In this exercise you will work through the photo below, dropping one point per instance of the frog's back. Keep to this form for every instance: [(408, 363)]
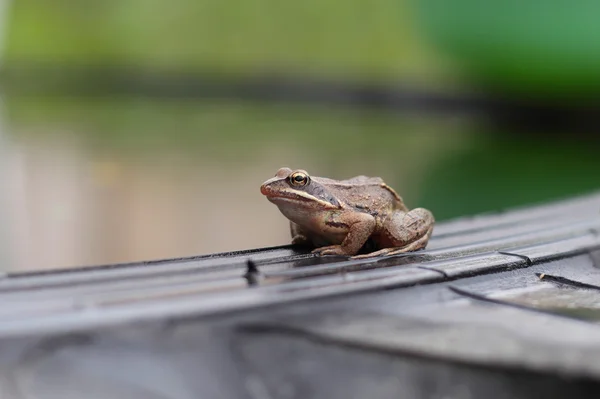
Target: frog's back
[(352, 182), (363, 192), (363, 180)]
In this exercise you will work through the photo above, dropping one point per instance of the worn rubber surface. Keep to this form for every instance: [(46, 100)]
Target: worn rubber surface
[(502, 305)]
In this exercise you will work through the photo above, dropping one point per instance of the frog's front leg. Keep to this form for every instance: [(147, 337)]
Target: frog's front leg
[(406, 231), (299, 236), (360, 226)]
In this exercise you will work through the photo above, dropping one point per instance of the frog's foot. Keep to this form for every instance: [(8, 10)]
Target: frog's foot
[(413, 246), (331, 250), (381, 252)]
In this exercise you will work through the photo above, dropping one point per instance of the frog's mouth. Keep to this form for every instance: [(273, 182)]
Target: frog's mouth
[(279, 197), (291, 201), (287, 196)]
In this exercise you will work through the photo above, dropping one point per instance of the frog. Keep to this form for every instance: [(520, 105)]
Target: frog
[(338, 217)]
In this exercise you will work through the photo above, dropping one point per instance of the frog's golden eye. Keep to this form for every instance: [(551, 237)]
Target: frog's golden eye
[(299, 179)]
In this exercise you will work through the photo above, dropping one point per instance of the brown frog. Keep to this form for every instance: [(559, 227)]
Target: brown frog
[(340, 216)]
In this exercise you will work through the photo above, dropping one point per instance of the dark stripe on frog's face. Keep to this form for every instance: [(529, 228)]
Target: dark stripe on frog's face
[(319, 192)]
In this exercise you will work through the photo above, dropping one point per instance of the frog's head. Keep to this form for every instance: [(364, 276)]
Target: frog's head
[(296, 189)]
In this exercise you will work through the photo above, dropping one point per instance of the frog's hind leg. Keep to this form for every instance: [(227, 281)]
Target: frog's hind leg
[(409, 230), (406, 231)]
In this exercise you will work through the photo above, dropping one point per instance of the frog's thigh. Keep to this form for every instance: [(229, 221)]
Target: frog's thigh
[(403, 228)]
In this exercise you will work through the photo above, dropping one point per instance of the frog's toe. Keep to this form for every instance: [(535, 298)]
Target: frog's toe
[(418, 245), (330, 250), (382, 252)]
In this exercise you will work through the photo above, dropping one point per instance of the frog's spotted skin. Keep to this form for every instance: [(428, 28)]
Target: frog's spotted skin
[(339, 216)]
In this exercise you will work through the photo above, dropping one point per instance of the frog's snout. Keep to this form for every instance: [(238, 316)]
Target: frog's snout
[(264, 190), (267, 188)]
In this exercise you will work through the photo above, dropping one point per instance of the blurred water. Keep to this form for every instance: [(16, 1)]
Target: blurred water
[(93, 181)]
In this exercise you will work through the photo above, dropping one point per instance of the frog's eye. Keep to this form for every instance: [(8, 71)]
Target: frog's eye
[(299, 179)]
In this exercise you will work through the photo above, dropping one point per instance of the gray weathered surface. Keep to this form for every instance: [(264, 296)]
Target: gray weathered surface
[(468, 317)]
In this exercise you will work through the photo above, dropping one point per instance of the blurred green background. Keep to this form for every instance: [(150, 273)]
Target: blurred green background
[(111, 175)]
